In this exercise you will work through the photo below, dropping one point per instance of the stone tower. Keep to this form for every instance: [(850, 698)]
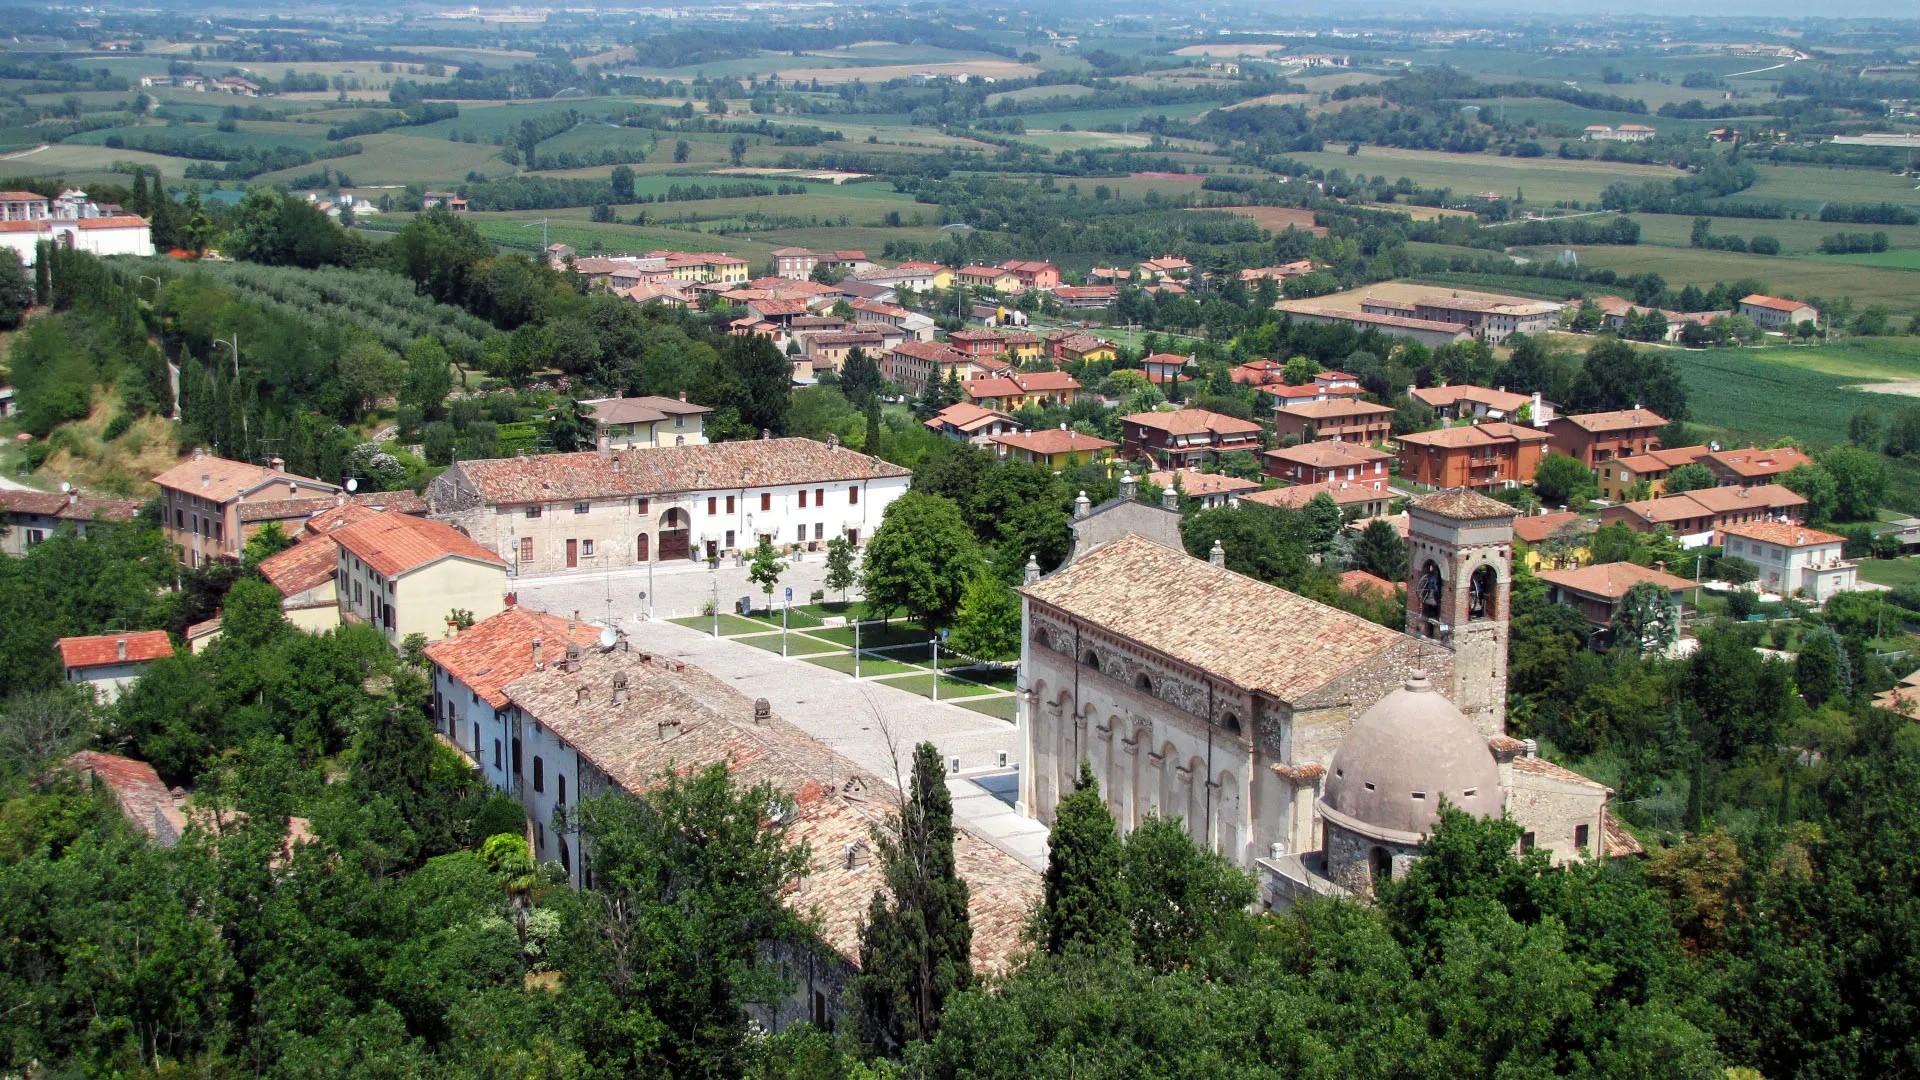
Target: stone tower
[(1459, 577)]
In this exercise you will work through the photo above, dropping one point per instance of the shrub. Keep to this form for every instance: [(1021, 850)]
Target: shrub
[(117, 427)]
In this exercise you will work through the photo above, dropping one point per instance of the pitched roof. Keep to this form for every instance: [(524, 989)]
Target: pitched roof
[(1200, 483), (965, 416), (310, 563), (495, 651), (1355, 581), (1533, 528), (1782, 534), (544, 478), (1398, 322), (1774, 302), (1463, 435), (1756, 463), (1053, 441), (395, 544), (1010, 383), (1334, 408), (71, 506), (94, 650), (641, 410), (679, 717), (1663, 460), (1327, 454), (136, 787), (1439, 397), (1619, 420), (219, 479), (1204, 615), (399, 502), (1295, 496), (1610, 581), (1087, 292), (938, 352), (1462, 504), (1192, 422)]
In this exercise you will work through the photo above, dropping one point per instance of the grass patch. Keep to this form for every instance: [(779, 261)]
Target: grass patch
[(876, 635), (730, 625), (842, 662), (1001, 707), (1784, 275), (1908, 259), (922, 684), (1892, 573), (798, 618), (797, 645)]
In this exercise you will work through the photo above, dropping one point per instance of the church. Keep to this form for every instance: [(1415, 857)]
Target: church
[(1303, 742)]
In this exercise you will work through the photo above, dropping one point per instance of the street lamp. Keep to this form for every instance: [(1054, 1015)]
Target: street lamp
[(713, 575), (234, 344)]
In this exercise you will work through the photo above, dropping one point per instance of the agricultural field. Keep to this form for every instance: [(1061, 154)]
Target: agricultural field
[(1803, 277), (1908, 259), (1796, 235), (1542, 179), (1811, 187)]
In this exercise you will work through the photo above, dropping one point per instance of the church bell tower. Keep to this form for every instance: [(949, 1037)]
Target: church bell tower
[(1459, 580)]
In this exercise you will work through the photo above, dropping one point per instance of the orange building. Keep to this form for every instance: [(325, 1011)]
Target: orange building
[(1346, 419), (1592, 438), (1472, 455)]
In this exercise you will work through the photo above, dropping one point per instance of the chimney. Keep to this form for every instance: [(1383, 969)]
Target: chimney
[(765, 434), (340, 497), (1169, 498), (620, 688), (1533, 748), (669, 730), (762, 711), (206, 479), (120, 648), (683, 395), (580, 695), (1539, 421), (453, 629), (1129, 487), (279, 464), (538, 664), (602, 443), (1218, 556), (833, 441), (1082, 506), (572, 662), (198, 453), (1032, 572)]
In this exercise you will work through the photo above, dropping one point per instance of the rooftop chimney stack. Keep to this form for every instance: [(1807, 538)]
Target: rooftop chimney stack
[(762, 711), (603, 443), (1129, 487), (120, 648), (1218, 556), (1032, 572), (620, 691), (279, 464), (1169, 498), (538, 663)]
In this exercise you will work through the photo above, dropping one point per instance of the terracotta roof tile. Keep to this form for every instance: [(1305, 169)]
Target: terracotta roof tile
[(1204, 615), (1439, 397), (1355, 581), (308, 564), (1463, 505), (546, 478), (1198, 483), (1192, 422), (1664, 460), (1466, 435), (68, 507), (95, 650), (681, 718), (1053, 441), (1774, 302), (1533, 528), (1752, 464), (220, 479), (1339, 408), (1610, 581), (1328, 453), (1782, 534), (395, 544), (1620, 420), (497, 650), (142, 796), (1344, 492)]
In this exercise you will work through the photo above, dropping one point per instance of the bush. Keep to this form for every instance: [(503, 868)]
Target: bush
[(497, 813), (117, 427)]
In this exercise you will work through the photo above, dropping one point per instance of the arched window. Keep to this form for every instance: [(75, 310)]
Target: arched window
[(1430, 586), (1380, 862), (1483, 594), (1143, 683), (1091, 659), (1231, 723)]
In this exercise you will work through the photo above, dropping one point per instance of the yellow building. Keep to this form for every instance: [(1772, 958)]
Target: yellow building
[(1621, 473), (1012, 391), (648, 421), (703, 267), (407, 575), (1563, 552), (1057, 448)]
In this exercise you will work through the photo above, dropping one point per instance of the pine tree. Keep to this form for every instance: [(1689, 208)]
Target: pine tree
[(1083, 904), (915, 948)]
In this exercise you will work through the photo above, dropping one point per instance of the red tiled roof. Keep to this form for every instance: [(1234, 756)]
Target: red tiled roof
[(1465, 435), (1344, 492), (1537, 527), (1610, 581), (1053, 441), (135, 786), (1330, 453), (95, 650), (1334, 409), (1192, 422), (1774, 302), (394, 544), (1087, 292), (1019, 382), (117, 221), (1355, 581), (753, 463), (1198, 483), (1757, 463), (1439, 397), (1620, 420), (495, 651), (312, 562), (1782, 534), (68, 507)]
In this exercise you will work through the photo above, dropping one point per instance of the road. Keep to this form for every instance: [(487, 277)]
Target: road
[(681, 587)]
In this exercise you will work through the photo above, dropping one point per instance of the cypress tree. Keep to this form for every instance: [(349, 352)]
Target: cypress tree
[(1084, 903), (915, 949)]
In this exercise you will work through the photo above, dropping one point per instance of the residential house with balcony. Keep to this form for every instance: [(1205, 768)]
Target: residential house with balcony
[(1347, 419), (1490, 455), (1463, 401), (30, 517), (1696, 516), (1033, 274), (988, 277), (1325, 462), (1598, 591), (409, 575), (1059, 449), (1793, 559), (648, 421), (966, 422), (913, 363), (1595, 438), (1011, 391), (1620, 474), (1186, 438), (1752, 467), (1162, 368), (1012, 346), (1359, 500), (1211, 490), (915, 326)]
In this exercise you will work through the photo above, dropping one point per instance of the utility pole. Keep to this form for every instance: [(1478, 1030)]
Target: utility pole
[(544, 245)]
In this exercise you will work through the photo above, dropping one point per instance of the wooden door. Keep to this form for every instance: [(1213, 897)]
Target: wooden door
[(573, 554), (640, 548)]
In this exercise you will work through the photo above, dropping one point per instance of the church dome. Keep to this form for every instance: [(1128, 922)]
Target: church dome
[(1402, 756)]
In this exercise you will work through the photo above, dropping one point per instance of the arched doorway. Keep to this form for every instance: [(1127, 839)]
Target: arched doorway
[(676, 532), (642, 548), (1430, 587)]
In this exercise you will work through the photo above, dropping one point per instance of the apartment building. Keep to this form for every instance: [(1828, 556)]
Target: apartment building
[(1595, 438), (1490, 455), (1347, 419)]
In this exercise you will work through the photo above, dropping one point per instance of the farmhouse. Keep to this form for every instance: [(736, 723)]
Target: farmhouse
[(1773, 313)]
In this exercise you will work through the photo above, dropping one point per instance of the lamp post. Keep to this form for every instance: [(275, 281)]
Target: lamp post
[(784, 612), (234, 344), (713, 574), (856, 647), (543, 234)]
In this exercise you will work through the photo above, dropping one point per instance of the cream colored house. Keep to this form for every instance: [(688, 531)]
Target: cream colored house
[(1793, 559), (648, 421), (408, 575)]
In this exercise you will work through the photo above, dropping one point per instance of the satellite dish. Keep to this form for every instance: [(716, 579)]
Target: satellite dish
[(353, 484), (608, 638), (1714, 446), (65, 487)]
